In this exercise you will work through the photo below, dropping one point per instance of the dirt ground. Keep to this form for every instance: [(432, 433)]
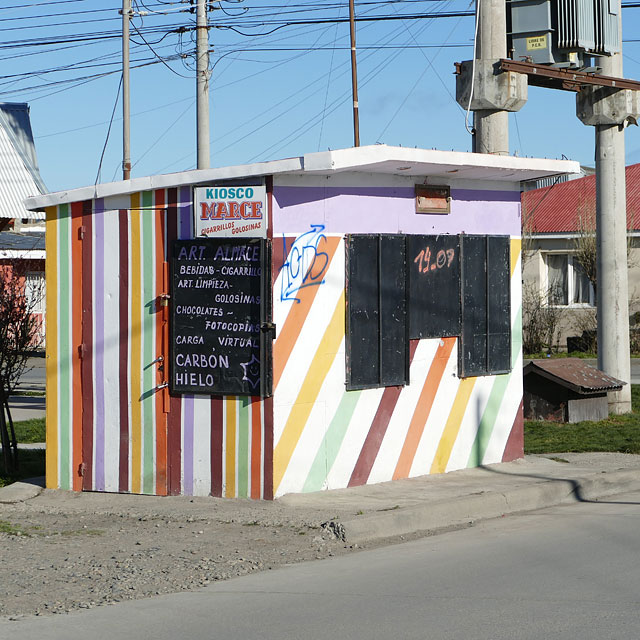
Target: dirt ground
[(63, 551)]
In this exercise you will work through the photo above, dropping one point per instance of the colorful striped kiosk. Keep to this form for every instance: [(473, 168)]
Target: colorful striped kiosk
[(342, 318)]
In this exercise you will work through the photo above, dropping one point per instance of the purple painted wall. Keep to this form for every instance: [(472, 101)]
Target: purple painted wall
[(392, 210)]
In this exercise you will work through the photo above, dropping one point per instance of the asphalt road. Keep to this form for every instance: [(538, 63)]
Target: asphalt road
[(34, 381), (563, 573)]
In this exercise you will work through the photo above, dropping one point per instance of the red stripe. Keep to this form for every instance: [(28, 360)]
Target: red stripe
[(269, 190), (174, 418), (373, 441), (217, 428), (256, 447), (278, 247), (123, 346), (514, 448), (267, 493), (87, 340)]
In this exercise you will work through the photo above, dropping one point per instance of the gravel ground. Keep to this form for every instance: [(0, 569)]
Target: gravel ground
[(68, 551)]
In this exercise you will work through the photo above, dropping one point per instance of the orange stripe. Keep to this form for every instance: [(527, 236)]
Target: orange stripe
[(161, 416), (423, 408), (76, 331), (256, 447), (288, 335)]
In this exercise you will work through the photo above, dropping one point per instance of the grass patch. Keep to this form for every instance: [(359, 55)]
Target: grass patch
[(33, 430), (32, 463), (586, 355), (618, 434), (9, 529)]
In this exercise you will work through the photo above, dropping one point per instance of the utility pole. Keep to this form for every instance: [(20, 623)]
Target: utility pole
[(354, 75), (202, 85), (609, 110), (481, 88), (491, 127), (126, 107)]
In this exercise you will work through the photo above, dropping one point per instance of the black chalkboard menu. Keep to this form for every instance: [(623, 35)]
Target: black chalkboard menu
[(220, 308)]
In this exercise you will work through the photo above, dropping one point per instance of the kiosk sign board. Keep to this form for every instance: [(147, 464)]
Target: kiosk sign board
[(230, 211), (220, 337)]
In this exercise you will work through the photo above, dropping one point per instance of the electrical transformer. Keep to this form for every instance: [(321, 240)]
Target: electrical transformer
[(562, 32)]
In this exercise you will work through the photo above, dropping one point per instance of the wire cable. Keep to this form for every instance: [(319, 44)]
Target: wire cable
[(113, 113), (473, 69)]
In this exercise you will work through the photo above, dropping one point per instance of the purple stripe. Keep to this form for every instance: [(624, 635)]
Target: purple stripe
[(99, 345), (187, 446), (477, 195), (186, 217), (392, 210)]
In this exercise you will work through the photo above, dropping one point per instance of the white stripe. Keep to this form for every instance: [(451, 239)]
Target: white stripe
[(202, 446), (111, 352)]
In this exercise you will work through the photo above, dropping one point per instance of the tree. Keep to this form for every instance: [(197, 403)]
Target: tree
[(20, 337), (540, 320)]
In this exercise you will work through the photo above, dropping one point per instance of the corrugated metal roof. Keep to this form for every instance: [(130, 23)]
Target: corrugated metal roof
[(575, 374), (32, 241), (569, 206), (19, 174)]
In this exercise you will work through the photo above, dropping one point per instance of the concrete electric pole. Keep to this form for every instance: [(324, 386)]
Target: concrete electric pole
[(126, 109), (609, 110), (202, 85), (482, 88), (491, 126)]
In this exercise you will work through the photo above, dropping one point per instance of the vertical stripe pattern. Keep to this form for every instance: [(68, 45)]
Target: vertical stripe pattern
[(110, 428)]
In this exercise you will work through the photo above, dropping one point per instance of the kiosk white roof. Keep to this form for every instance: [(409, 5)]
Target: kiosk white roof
[(377, 159)]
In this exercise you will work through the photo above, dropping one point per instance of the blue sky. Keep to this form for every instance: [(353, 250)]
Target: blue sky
[(278, 89)]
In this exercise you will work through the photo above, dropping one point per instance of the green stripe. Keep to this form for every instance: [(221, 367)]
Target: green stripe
[(243, 447), (331, 443), (65, 353), (488, 421), (148, 351)]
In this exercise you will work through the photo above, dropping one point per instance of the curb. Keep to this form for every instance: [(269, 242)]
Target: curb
[(488, 505), (21, 491)]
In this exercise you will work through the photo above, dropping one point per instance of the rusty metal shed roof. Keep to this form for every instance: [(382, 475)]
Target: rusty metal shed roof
[(575, 374)]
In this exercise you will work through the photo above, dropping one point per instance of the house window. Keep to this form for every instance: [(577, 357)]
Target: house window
[(34, 291), (567, 282)]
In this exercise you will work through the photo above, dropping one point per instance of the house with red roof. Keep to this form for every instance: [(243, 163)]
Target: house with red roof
[(557, 220)]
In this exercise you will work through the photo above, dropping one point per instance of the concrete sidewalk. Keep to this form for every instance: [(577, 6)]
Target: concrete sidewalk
[(374, 512)]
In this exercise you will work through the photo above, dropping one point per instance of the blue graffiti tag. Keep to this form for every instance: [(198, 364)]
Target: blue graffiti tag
[(305, 265)]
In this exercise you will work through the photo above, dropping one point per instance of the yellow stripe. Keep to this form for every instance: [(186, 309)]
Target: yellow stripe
[(230, 446), (516, 246), (136, 345), (454, 422), (322, 361), (51, 327), (452, 428)]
